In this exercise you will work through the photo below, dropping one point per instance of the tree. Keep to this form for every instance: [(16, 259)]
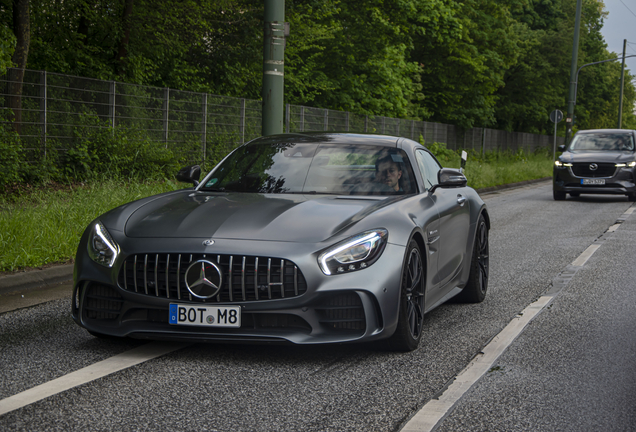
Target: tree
[(22, 32)]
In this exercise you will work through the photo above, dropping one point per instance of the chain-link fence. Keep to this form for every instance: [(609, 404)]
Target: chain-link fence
[(50, 110)]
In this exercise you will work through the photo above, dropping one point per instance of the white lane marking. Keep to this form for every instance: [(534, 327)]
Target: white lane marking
[(587, 253), (90, 373), (629, 210), (435, 410)]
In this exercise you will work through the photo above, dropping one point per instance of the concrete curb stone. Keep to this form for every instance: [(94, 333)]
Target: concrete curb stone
[(39, 279)]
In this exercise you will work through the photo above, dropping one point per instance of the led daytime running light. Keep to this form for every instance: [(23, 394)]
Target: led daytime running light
[(323, 259), (105, 238)]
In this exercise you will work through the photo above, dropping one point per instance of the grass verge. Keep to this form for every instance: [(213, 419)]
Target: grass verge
[(44, 225)]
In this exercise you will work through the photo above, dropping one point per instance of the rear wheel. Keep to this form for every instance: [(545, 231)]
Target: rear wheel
[(475, 289), (558, 195), (409, 329)]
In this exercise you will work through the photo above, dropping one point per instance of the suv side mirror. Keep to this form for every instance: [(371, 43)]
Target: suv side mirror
[(448, 178), (561, 148), (189, 174)]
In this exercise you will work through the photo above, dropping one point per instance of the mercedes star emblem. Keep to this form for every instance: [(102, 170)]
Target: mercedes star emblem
[(593, 167), (203, 279)]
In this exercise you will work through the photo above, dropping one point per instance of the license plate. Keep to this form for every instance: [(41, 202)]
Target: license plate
[(589, 181), (205, 316)]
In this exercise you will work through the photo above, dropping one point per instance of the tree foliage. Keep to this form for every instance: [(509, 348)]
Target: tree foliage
[(494, 63)]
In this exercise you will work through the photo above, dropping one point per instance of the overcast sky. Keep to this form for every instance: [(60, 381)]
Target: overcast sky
[(619, 25)]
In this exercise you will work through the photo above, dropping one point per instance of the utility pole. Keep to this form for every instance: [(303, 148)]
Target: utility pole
[(620, 98), (274, 34), (573, 73)]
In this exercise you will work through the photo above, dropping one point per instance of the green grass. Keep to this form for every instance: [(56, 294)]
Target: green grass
[(44, 226)]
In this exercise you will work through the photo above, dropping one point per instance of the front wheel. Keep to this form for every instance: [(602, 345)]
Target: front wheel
[(475, 289), (558, 195), (409, 329), (631, 196)]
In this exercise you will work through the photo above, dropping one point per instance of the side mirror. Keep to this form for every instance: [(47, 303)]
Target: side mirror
[(448, 178), (561, 148), (190, 174)]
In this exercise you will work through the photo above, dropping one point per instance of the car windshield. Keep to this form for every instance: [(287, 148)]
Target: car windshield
[(603, 142), (314, 168)]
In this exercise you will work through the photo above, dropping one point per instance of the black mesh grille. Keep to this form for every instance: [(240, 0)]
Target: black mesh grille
[(245, 278), (102, 302), (343, 311), (602, 170)]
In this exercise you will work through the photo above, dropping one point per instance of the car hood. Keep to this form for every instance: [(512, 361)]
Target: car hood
[(597, 156), (293, 218)]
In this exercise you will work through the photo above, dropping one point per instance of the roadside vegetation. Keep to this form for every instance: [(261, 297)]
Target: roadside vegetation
[(41, 225)]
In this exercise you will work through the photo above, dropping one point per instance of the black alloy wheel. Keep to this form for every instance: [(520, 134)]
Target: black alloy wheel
[(409, 329), (477, 286)]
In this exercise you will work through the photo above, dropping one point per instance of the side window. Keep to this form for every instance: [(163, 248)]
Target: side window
[(428, 167)]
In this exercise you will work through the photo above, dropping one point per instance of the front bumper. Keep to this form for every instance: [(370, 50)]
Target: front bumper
[(621, 182), (358, 306)]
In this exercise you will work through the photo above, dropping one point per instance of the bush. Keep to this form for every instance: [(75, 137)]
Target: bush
[(10, 156), (120, 153)]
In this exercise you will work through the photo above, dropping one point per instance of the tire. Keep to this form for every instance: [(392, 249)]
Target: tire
[(558, 195), (631, 196), (408, 333), (477, 286), (575, 194)]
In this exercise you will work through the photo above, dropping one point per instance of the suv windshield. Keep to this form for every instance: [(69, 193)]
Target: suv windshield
[(339, 169), (603, 142)]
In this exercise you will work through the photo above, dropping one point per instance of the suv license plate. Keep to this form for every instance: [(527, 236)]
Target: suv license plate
[(589, 181), (205, 316)]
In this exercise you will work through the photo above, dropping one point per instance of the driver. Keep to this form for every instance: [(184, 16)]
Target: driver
[(388, 172)]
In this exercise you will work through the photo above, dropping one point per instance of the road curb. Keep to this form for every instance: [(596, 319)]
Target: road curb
[(35, 279), (38, 279), (511, 185)]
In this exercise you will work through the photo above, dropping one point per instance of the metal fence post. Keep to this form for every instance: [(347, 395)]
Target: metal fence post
[(204, 133), (483, 141), (242, 120), (302, 119), (347, 119), (43, 92), (166, 108), (412, 129), (287, 118), (366, 123), (326, 120), (111, 105)]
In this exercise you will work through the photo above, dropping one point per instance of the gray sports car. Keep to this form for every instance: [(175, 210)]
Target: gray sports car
[(303, 238)]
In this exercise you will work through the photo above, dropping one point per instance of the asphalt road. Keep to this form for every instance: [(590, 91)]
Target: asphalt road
[(572, 368)]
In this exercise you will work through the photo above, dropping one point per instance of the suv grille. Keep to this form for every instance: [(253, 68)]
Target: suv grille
[(245, 278), (603, 170)]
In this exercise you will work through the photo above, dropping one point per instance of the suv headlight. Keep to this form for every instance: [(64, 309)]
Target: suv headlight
[(560, 164), (355, 253), (101, 247)]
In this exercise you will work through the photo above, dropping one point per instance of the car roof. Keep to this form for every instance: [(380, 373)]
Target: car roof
[(591, 131), (332, 138)]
